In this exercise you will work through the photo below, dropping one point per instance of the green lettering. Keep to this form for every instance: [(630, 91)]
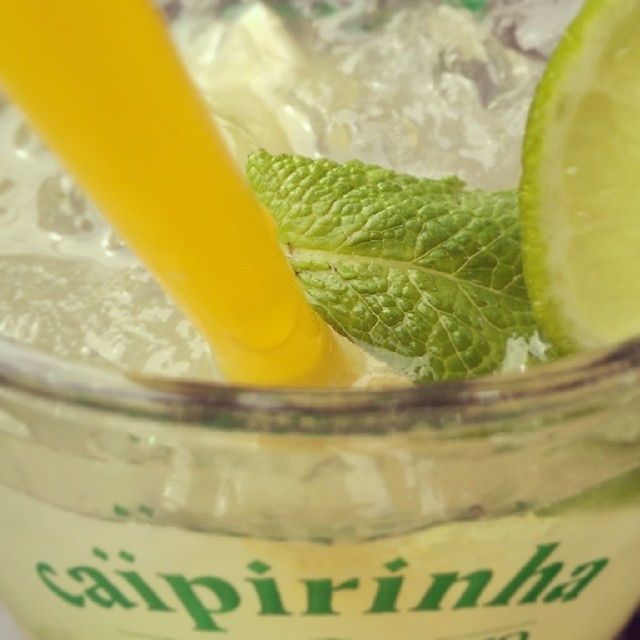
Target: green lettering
[(533, 568), (547, 576), (228, 599), (46, 572), (584, 574), (151, 598), (386, 598), (102, 592), (267, 591), (442, 583), (320, 595)]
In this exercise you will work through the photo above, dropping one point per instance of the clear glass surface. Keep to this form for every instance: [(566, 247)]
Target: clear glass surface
[(139, 499)]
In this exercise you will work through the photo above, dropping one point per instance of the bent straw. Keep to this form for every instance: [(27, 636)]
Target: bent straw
[(103, 84)]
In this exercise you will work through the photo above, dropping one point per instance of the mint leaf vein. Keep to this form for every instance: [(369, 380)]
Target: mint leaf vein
[(425, 272)]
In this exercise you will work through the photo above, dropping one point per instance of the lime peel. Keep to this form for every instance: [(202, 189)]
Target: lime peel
[(580, 190)]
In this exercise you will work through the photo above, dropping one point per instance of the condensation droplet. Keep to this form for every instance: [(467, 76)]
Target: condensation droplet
[(27, 142), (113, 243), (6, 185), (61, 207)]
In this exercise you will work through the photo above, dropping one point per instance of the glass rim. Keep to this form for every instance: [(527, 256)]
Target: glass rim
[(548, 386), (34, 373)]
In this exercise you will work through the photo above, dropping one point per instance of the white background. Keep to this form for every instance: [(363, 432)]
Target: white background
[(7, 629)]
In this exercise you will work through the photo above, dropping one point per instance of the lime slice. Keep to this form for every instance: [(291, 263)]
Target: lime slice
[(580, 191)]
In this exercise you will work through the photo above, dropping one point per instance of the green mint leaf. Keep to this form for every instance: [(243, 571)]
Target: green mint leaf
[(474, 5), (424, 271)]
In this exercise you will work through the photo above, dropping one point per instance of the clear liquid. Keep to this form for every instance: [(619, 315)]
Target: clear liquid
[(70, 287), (427, 89)]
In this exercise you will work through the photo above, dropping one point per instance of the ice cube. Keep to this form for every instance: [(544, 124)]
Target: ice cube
[(532, 27), (429, 91)]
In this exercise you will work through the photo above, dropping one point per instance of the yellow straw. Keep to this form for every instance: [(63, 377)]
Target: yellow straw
[(104, 86)]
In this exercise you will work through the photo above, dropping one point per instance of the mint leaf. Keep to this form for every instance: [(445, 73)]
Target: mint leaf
[(424, 271)]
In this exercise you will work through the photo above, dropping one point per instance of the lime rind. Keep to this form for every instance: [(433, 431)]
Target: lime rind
[(618, 493), (571, 63)]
